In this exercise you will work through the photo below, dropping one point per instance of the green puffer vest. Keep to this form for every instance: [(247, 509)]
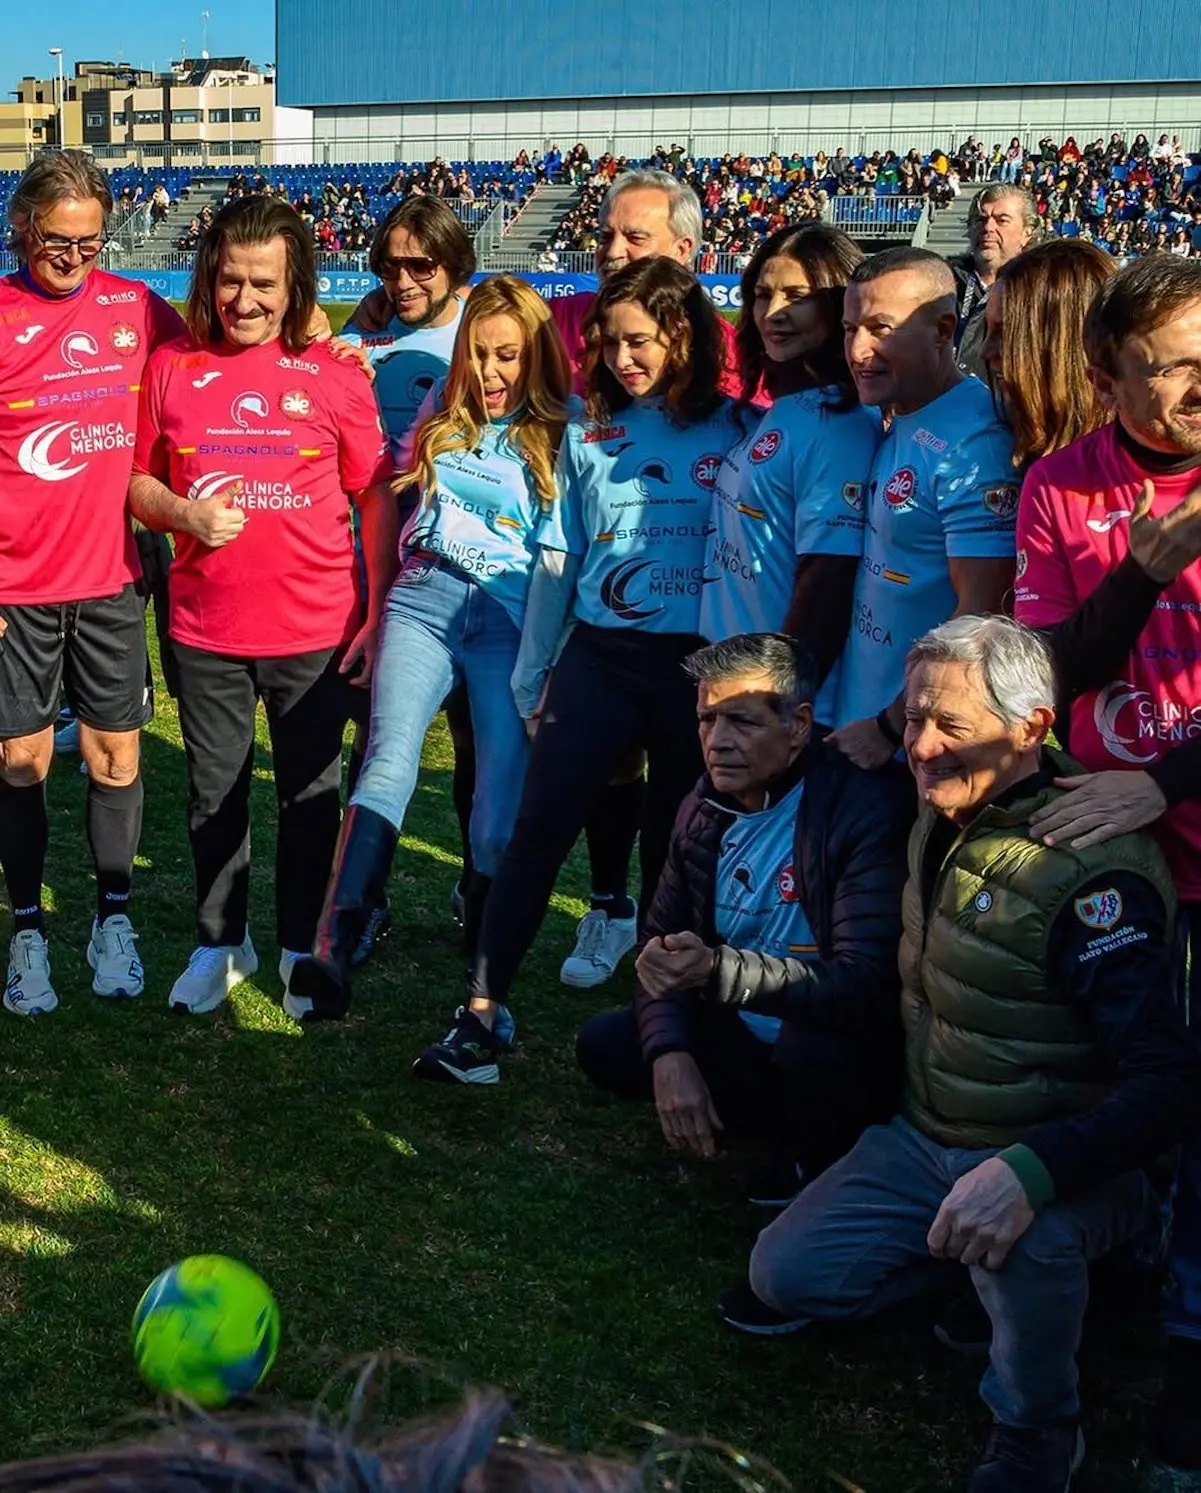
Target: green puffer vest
[(992, 1045)]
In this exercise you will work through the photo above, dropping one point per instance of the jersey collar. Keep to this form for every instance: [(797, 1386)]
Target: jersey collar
[(31, 284)]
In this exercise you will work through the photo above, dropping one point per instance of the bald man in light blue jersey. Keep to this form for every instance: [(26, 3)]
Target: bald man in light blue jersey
[(941, 504), (792, 487)]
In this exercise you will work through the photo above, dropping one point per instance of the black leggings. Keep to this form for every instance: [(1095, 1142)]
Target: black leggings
[(810, 1093), (611, 690)]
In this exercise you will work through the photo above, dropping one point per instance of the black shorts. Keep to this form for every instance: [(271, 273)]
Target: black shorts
[(93, 651)]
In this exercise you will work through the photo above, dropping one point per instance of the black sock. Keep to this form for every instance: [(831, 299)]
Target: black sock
[(114, 828), (24, 835), (611, 831)]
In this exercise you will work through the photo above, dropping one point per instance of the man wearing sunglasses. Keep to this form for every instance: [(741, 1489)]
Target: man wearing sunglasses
[(73, 343)]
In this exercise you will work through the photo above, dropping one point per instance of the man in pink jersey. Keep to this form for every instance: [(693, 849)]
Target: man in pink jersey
[(252, 444), (73, 344), (1140, 734)]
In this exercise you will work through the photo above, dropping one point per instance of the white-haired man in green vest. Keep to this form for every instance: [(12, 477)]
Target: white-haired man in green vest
[(1046, 1064)]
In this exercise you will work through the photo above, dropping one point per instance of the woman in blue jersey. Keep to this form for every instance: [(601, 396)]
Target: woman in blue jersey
[(482, 457), (623, 552), (788, 506)]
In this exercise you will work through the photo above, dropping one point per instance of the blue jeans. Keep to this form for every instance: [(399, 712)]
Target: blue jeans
[(440, 627), (1182, 1317), (854, 1242)]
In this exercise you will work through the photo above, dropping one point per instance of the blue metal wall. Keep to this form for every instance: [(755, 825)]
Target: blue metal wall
[(332, 52)]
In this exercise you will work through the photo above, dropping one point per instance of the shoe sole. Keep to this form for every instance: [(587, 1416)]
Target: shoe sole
[(777, 1203), (780, 1329), (439, 1071), (121, 993), (181, 1008), (34, 1011)]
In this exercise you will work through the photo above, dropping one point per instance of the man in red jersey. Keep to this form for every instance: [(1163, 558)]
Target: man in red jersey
[(73, 344), (1139, 734), (251, 446)]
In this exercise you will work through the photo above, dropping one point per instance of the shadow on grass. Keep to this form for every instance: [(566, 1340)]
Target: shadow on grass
[(536, 1236)]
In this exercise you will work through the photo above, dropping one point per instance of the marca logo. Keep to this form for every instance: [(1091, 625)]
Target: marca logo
[(900, 492), (118, 298), (766, 446), (34, 455), (247, 409), (77, 348), (211, 484), (609, 433), (705, 471)]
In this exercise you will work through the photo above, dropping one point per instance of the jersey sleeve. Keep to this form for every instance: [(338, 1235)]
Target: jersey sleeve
[(976, 491), (831, 459), (165, 322), (1046, 592), (150, 454), (563, 526), (363, 457)]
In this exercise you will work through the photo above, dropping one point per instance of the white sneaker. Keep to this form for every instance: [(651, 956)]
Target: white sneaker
[(211, 975), (601, 942), (287, 963), (28, 991), (113, 954)]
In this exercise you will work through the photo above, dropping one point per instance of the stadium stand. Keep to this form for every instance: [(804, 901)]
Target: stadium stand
[(1129, 198)]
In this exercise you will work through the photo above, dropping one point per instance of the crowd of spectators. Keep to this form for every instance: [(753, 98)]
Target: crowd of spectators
[(1127, 198)]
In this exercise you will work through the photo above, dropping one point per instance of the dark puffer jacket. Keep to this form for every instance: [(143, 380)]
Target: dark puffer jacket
[(849, 863)]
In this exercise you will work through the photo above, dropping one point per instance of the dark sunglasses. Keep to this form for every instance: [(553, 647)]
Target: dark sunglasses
[(419, 269)]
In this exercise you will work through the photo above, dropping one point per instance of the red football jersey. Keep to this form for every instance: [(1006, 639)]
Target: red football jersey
[(70, 371), (300, 432)]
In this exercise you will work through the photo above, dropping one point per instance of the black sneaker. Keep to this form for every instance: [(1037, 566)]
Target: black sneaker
[(379, 922), (742, 1310), (1176, 1427), (1023, 1461), (467, 1054), (964, 1326), (775, 1183)]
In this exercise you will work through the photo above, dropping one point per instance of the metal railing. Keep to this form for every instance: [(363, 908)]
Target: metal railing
[(876, 217)]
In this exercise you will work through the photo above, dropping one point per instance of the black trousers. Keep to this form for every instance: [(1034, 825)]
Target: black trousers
[(611, 690), (307, 706), (810, 1093)]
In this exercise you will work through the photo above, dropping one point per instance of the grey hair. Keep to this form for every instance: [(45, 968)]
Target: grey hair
[(994, 193), (683, 209), (52, 178), (788, 664), (1014, 662)]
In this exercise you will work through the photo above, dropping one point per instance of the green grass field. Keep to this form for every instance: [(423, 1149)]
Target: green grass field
[(537, 1235)]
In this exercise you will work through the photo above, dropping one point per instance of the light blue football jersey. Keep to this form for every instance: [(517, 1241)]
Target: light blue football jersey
[(793, 486), (635, 507), (942, 487), (407, 362), (483, 516), (755, 903)]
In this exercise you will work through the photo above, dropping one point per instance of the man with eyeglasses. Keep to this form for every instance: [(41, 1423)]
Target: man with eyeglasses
[(73, 343)]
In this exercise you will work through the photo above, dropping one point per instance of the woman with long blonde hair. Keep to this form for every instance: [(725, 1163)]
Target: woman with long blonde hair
[(480, 462)]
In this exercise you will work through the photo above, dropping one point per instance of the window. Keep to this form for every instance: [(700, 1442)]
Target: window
[(247, 116), (119, 117), (95, 121), (148, 116), (218, 116), (250, 148), (185, 116)]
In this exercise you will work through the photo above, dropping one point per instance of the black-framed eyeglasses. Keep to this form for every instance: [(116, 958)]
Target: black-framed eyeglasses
[(55, 243), (418, 268)]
